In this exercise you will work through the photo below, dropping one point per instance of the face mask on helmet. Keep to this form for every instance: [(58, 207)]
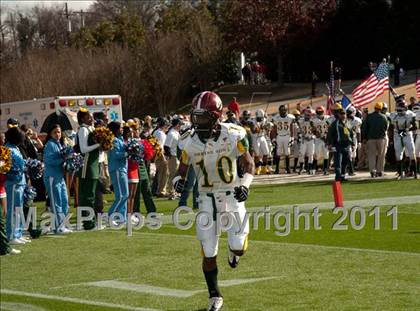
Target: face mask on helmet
[(204, 123)]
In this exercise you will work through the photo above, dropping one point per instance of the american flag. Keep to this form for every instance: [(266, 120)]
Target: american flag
[(418, 88), (372, 87)]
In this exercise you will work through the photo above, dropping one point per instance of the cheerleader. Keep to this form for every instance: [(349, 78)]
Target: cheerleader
[(4, 242), (54, 179), (132, 131), (15, 186), (117, 166)]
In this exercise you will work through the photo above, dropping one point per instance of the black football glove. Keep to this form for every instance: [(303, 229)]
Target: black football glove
[(241, 193), (179, 184)]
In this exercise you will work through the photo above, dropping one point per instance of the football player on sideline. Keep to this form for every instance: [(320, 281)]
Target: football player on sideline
[(403, 122), (307, 147), (213, 150), (416, 110), (321, 123), (260, 145), (354, 124), (282, 135)]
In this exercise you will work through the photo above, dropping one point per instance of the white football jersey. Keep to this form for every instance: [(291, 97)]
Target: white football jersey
[(259, 126), (306, 128), (321, 125), (214, 162), (417, 122), (283, 124), (401, 122), (354, 124)]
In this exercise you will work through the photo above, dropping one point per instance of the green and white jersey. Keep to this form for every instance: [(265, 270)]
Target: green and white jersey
[(214, 162)]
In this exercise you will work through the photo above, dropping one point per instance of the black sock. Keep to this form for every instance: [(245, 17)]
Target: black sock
[(413, 167), (325, 166), (211, 280), (277, 163), (287, 160), (315, 164), (399, 167), (306, 163), (295, 163)]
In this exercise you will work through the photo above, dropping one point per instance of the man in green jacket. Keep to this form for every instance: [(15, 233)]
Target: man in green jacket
[(339, 139)]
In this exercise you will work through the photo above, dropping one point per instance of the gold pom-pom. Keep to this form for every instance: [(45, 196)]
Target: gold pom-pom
[(104, 137), (155, 144), (5, 160)]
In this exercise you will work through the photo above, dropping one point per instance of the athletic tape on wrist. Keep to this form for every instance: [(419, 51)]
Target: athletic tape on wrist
[(176, 179), (247, 180)]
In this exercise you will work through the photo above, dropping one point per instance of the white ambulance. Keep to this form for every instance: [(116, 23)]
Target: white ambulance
[(33, 112)]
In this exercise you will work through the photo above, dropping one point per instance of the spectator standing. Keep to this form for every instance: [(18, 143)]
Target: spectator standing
[(339, 139), (374, 132), (313, 84), (161, 162), (233, 112), (170, 151), (246, 72)]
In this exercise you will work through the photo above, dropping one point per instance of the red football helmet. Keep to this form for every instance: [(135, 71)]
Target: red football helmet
[(207, 110)]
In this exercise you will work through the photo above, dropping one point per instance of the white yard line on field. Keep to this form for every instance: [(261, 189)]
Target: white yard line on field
[(296, 245), (74, 300), (165, 291)]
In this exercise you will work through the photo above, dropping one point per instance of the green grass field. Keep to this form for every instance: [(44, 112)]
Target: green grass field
[(322, 269)]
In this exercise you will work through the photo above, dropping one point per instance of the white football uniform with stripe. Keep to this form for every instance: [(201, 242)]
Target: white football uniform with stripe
[(284, 127), (260, 145), (355, 125), (403, 137), (321, 126), (215, 165), (417, 134), (307, 147)]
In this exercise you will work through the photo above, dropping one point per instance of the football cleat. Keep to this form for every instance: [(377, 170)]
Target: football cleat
[(215, 304), (233, 259)]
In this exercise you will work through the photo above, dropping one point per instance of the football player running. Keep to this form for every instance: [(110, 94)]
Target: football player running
[(403, 122), (306, 130), (282, 136), (213, 150), (321, 124)]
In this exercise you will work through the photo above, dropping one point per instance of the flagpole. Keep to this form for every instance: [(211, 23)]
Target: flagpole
[(389, 83)]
